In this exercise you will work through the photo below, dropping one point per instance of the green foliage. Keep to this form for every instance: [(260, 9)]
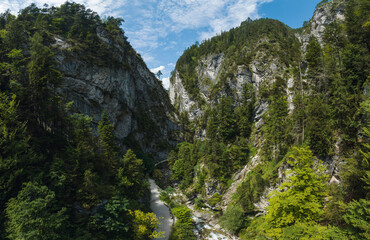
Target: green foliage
[(182, 232), (199, 204), (245, 111), (358, 218), (250, 191), (183, 214), (112, 218), (131, 176), (33, 214), (182, 168), (276, 120), (216, 198), (183, 229), (69, 172), (356, 170), (318, 126), (335, 206), (300, 197), (226, 119), (165, 195), (255, 230), (233, 219), (316, 231), (144, 225), (108, 140)]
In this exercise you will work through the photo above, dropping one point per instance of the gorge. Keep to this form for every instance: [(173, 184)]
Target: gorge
[(263, 133)]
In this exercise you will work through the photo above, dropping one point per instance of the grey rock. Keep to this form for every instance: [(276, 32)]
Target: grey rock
[(129, 93)]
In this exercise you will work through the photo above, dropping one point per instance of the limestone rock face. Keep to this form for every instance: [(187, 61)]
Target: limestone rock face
[(324, 15), (180, 97), (135, 101), (209, 72)]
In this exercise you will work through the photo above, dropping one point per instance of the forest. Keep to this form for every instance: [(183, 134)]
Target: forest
[(329, 118), (59, 178), (62, 176)]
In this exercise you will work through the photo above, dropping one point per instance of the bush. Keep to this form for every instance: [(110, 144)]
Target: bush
[(183, 215), (232, 220), (216, 198), (183, 229), (165, 195), (199, 203)]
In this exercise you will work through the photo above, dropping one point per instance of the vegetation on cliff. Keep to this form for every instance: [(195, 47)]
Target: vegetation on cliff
[(58, 179), (317, 111)]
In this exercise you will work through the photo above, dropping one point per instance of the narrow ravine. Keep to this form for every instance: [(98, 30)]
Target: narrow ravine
[(161, 210)]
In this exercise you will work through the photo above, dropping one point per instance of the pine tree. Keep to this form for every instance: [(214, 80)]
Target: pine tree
[(107, 141), (226, 119), (131, 176), (319, 126), (244, 112), (276, 120), (315, 72), (15, 154), (43, 80)]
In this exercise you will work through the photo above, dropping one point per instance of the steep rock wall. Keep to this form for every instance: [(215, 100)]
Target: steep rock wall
[(135, 101)]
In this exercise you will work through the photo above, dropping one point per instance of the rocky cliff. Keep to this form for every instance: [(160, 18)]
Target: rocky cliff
[(271, 51), (324, 14), (123, 87), (262, 69)]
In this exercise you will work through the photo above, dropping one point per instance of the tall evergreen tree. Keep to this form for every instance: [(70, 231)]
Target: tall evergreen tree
[(314, 58), (276, 119)]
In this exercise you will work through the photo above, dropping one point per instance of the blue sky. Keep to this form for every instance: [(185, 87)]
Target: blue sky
[(160, 30)]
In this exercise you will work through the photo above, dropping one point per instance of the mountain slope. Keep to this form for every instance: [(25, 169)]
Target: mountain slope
[(248, 97)]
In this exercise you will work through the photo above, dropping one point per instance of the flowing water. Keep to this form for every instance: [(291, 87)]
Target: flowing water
[(161, 210)]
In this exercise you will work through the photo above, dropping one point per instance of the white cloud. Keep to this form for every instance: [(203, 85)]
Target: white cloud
[(155, 70), (148, 58), (166, 83), (218, 15), (191, 13), (156, 21), (235, 13)]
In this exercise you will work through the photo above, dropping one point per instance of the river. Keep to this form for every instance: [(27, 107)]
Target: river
[(161, 210)]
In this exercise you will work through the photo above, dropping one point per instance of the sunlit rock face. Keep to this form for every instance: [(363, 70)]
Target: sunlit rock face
[(324, 15)]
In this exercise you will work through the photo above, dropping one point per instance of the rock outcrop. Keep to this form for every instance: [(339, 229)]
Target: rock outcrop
[(135, 101), (209, 73), (324, 14)]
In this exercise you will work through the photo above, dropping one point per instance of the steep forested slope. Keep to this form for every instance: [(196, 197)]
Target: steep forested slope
[(263, 98), (74, 96)]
